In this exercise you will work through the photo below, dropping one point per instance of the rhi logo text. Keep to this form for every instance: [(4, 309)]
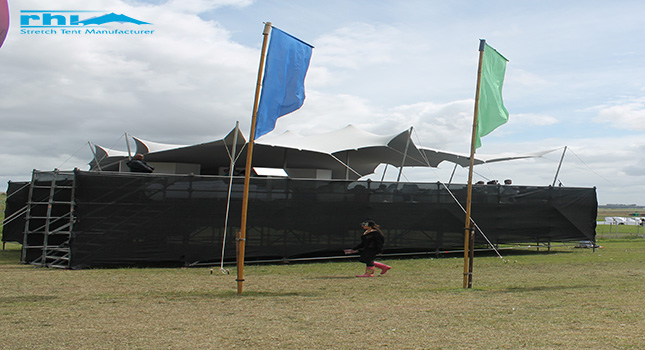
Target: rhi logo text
[(77, 23)]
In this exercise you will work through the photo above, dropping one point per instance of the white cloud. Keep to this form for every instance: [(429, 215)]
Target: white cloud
[(530, 119), (435, 124), (180, 72), (626, 115), (444, 126), (357, 45), (200, 6), (188, 82), (520, 77), (326, 112)]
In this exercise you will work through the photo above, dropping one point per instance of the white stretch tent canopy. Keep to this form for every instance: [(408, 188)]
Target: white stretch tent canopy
[(348, 153)]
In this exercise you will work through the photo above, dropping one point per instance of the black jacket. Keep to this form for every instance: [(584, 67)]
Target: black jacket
[(139, 166), (371, 241)]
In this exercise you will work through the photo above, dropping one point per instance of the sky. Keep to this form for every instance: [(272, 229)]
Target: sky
[(575, 79)]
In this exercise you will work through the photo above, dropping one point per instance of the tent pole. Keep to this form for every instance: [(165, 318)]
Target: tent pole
[(405, 155), (469, 233), (346, 165), (127, 144), (94, 154), (249, 159), (454, 169), (383, 176), (559, 165)]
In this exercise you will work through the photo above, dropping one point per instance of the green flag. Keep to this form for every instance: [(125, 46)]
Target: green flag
[(491, 112)]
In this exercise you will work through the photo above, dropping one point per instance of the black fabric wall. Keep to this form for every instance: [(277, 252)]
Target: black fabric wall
[(133, 219), (17, 196)]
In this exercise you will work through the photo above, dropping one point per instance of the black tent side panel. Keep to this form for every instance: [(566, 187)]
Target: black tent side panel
[(14, 213), (540, 215), (133, 219)]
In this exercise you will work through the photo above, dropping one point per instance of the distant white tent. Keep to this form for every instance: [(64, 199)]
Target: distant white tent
[(145, 147), (106, 159)]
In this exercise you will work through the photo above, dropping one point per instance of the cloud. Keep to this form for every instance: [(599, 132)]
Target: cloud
[(357, 45), (178, 73), (186, 83), (530, 119), (199, 6), (435, 124), (439, 125), (520, 77), (628, 115), (323, 112)]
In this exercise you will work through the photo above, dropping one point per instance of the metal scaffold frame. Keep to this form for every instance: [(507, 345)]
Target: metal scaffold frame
[(49, 219)]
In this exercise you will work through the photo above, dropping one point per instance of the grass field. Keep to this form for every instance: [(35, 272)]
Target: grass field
[(567, 299)]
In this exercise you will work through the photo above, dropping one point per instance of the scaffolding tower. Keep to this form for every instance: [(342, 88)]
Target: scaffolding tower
[(49, 219)]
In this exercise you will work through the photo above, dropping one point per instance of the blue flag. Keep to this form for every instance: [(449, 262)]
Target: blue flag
[(283, 88)]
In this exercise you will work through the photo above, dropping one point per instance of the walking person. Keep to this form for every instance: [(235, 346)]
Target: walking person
[(371, 245)]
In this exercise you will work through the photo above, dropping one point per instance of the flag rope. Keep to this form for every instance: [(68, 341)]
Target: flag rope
[(459, 204)]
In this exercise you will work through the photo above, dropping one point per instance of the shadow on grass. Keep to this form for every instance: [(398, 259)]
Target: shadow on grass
[(227, 294), (512, 289), (333, 278), (505, 252), (26, 299), (544, 288), (279, 294), (521, 252)]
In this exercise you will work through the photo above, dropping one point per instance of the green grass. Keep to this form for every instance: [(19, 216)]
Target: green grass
[(619, 231), (626, 212), (569, 298)]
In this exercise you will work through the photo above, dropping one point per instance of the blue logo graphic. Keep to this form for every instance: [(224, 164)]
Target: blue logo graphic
[(112, 17)]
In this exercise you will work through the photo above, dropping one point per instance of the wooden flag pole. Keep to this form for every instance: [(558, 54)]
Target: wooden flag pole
[(469, 234), (247, 170)]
